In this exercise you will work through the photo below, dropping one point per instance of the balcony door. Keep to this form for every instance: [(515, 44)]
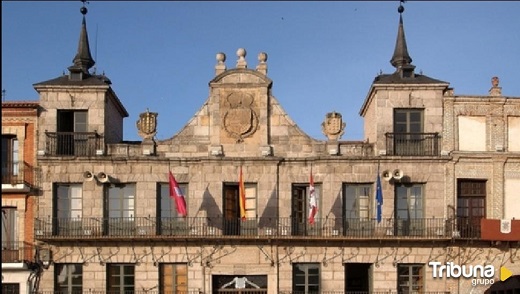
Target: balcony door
[(299, 210), (409, 210), (9, 234), (356, 209), (120, 209), (408, 126), (169, 222), (300, 225), (231, 210), (68, 209), (471, 207), (69, 123)]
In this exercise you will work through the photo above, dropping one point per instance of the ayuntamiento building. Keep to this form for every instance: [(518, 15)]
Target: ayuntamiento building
[(448, 167)]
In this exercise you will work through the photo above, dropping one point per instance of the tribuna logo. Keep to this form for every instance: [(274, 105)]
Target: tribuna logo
[(480, 274)]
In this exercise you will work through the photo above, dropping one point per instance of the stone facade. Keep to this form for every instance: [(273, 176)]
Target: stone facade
[(106, 209), (289, 158)]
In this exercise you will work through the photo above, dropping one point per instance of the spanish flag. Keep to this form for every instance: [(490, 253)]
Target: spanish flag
[(242, 195)]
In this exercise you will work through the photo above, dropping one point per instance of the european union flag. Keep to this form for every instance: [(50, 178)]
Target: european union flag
[(379, 198)]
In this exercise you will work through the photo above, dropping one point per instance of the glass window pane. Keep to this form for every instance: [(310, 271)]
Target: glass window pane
[(415, 117), (400, 117), (168, 207), (80, 121)]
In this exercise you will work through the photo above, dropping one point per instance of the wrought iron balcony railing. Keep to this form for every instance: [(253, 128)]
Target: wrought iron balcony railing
[(16, 251), (412, 144), (93, 291), (73, 143), (467, 228), (364, 292), (214, 227), (18, 173), (234, 291)]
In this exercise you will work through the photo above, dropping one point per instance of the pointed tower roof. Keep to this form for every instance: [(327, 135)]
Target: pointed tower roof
[(401, 59), (83, 60)]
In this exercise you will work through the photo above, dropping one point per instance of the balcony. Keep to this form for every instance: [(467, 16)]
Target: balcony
[(233, 291), (364, 292), (500, 230), (93, 291), (73, 143), (19, 177), (412, 144), (147, 228), (17, 252)]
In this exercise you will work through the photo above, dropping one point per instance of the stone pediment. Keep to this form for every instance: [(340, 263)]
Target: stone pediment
[(241, 77), (240, 117)]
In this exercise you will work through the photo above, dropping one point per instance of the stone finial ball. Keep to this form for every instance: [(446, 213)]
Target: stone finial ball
[(495, 81), (83, 10), (262, 57), (221, 57), (400, 9), (241, 52)]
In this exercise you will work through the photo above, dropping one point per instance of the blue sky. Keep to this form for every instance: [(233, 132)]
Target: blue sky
[(323, 56)]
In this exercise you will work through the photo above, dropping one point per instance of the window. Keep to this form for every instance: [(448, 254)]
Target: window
[(68, 278), (10, 252), (71, 137), (173, 278), (408, 128), (306, 278), (68, 208), (10, 288), (120, 208), (72, 121), (356, 198), (410, 278), (233, 225), (120, 278), (357, 210), (168, 218), (69, 198), (300, 209), (471, 207), (358, 277), (408, 120), (409, 201), (167, 207), (409, 209), (9, 215), (10, 157)]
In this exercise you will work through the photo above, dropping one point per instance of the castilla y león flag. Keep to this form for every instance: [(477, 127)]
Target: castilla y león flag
[(176, 193)]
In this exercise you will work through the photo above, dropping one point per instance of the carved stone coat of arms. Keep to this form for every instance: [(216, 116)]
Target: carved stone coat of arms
[(333, 127), (240, 120), (147, 125)]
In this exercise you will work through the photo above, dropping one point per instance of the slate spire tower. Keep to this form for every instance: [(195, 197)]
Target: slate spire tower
[(401, 59), (83, 60)]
